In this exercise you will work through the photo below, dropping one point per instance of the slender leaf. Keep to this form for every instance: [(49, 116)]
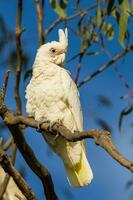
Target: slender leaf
[(27, 74), (124, 112), (123, 21), (77, 3), (98, 14), (63, 4), (110, 6), (59, 8), (103, 124), (108, 30), (104, 101)]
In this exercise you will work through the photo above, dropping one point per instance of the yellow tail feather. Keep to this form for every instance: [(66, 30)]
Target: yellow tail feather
[(80, 174)]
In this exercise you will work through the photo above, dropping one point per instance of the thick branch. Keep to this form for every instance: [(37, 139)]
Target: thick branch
[(28, 154), (102, 138), (20, 56), (105, 66), (8, 167), (39, 10)]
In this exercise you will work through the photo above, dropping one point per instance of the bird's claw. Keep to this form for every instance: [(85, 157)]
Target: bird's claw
[(56, 136), (52, 124), (39, 124)]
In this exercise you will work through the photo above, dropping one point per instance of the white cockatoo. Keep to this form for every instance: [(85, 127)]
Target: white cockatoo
[(53, 96), (12, 191)]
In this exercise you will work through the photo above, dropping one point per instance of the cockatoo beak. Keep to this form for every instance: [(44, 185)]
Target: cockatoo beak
[(60, 51), (63, 38)]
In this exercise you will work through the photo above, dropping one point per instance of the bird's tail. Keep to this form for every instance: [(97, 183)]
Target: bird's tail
[(81, 173)]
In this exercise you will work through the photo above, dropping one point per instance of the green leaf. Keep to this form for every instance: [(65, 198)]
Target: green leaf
[(129, 184), (131, 6), (108, 30), (80, 26), (59, 8), (93, 53), (98, 14), (77, 3), (103, 100), (63, 4), (123, 21), (124, 112), (104, 125), (27, 74), (110, 6)]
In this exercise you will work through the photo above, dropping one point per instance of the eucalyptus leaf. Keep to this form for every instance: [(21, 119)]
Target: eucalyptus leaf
[(27, 74), (105, 101), (108, 30), (98, 14), (123, 21), (104, 125), (124, 112), (110, 6), (59, 8), (77, 3)]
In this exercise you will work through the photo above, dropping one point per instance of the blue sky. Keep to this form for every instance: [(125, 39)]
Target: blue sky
[(109, 177)]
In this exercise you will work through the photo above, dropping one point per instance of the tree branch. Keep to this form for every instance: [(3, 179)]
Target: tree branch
[(7, 144), (4, 87), (8, 167), (61, 19), (102, 138), (28, 154), (39, 10), (20, 56), (7, 177), (105, 66)]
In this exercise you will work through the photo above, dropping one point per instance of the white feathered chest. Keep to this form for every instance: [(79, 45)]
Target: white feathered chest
[(52, 95), (48, 96)]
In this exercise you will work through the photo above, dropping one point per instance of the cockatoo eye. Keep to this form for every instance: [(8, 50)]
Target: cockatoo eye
[(52, 50)]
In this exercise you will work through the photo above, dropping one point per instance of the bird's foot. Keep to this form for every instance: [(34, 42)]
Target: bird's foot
[(52, 124), (39, 124)]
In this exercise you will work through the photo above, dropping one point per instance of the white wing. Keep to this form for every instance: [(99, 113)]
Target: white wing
[(71, 96)]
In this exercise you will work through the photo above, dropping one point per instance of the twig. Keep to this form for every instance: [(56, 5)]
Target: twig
[(82, 12), (53, 25), (7, 177), (4, 185), (105, 66), (4, 87), (79, 65), (13, 153), (7, 144), (39, 10), (102, 138), (122, 78), (8, 167), (61, 19), (78, 71), (20, 56)]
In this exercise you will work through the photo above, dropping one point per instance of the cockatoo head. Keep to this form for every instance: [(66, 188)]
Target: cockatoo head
[(54, 52)]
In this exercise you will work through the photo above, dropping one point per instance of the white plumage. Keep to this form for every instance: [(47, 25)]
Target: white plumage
[(53, 96)]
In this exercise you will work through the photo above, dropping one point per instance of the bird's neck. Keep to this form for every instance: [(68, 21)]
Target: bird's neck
[(44, 68)]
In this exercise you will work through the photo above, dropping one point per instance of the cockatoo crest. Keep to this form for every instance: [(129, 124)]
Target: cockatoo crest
[(54, 52), (63, 37)]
